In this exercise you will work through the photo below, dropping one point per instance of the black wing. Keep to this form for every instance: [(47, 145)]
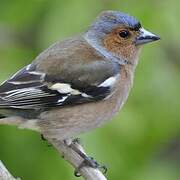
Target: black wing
[(28, 89)]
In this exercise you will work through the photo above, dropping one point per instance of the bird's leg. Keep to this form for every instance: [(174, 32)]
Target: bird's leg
[(87, 161)]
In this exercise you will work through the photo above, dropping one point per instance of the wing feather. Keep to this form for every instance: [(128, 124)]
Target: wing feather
[(28, 89)]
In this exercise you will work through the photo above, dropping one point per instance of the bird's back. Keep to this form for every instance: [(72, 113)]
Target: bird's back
[(71, 62)]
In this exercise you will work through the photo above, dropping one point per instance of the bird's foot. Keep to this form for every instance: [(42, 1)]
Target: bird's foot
[(87, 161), (76, 141)]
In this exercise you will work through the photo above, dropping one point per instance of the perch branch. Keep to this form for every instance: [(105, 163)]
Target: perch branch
[(5, 174), (75, 160)]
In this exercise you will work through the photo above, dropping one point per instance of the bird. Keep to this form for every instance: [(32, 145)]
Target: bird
[(77, 84)]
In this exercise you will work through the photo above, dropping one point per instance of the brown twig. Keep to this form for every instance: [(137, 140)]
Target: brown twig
[(75, 160)]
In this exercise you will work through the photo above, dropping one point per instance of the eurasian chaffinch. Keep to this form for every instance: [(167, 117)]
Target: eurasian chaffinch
[(77, 84)]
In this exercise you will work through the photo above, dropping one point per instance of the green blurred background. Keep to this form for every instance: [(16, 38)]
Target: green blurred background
[(143, 141)]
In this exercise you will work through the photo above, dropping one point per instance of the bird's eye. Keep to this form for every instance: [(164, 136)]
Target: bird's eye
[(124, 33)]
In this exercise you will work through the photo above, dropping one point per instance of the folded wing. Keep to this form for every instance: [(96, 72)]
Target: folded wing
[(28, 89)]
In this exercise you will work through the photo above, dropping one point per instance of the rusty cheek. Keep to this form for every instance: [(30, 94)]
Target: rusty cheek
[(122, 48)]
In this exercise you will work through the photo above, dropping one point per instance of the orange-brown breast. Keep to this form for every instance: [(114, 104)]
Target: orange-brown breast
[(70, 121)]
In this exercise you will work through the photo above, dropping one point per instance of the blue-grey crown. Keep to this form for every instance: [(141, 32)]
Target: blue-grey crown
[(109, 20)]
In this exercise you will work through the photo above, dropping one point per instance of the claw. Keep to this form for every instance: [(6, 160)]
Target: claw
[(77, 174), (104, 168), (44, 139), (89, 161), (77, 140)]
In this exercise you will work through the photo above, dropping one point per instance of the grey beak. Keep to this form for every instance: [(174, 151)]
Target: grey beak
[(145, 37)]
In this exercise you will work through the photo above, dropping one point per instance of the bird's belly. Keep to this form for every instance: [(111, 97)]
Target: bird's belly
[(66, 122)]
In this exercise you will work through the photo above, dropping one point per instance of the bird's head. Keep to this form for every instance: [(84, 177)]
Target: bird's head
[(120, 34)]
